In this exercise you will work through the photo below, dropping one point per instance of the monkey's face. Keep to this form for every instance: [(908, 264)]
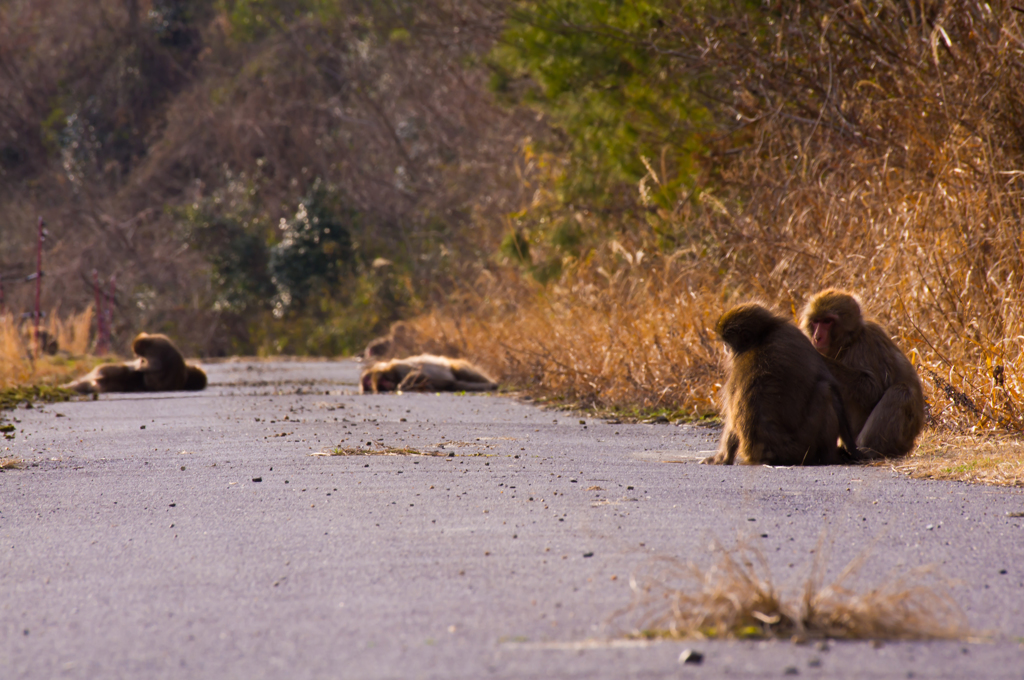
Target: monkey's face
[(821, 332)]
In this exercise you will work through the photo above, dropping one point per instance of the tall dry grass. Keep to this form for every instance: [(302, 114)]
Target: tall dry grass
[(890, 164), (619, 341), (620, 334), (22, 364)]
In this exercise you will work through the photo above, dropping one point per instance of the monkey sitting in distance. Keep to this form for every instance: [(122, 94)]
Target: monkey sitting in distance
[(881, 390), (160, 367), (425, 373), (401, 339), (781, 404), (45, 341)]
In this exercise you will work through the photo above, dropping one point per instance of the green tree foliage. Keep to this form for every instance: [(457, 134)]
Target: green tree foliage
[(174, 22), (232, 235), (315, 251), (601, 72), (302, 287), (255, 20)]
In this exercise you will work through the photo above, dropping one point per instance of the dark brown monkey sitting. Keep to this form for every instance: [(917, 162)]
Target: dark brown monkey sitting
[(160, 362), (781, 404), (160, 367), (45, 341), (425, 373), (881, 390)]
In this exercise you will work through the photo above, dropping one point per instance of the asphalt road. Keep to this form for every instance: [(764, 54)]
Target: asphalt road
[(197, 535)]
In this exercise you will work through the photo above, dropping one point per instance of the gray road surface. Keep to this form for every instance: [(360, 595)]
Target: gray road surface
[(195, 535)]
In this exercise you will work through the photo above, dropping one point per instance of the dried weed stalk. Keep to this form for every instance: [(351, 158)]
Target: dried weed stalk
[(377, 450)]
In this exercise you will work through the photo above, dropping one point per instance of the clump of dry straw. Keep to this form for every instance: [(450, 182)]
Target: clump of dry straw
[(736, 597)]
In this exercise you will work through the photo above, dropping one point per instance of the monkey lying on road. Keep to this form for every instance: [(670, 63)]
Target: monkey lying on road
[(426, 373), (160, 367)]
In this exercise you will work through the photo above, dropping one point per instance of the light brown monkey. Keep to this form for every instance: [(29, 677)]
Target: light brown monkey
[(403, 340), (882, 391), (427, 373), (376, 349), (160, 367), (781, 404)]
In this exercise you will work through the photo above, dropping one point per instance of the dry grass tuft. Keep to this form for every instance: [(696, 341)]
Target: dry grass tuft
[(376, 450), (11, 463), (993, 459), (736, 598)]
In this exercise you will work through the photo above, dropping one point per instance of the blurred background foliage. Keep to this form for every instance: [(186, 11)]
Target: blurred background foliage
[(571, 190), (250, 170)]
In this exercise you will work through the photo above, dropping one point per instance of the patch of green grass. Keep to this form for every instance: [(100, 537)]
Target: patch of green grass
[(627, 414), (960, 469), (985, 459), (12, 397), (637, 414)]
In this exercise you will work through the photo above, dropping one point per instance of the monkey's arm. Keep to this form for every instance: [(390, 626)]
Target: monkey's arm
[(849, 451), (894, 424), (859, 385)]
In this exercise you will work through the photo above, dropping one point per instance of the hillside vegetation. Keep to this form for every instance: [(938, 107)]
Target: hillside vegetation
[(569, 191)]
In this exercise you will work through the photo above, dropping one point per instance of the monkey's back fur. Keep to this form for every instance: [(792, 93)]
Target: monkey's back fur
[(781, 405), (161, 364)]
